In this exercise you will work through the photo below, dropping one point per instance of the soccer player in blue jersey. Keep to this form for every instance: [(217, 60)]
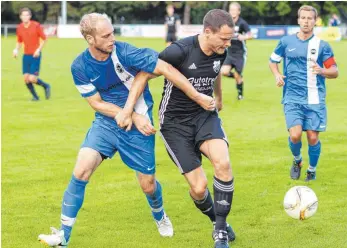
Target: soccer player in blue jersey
[(307, 61), (103, 74)]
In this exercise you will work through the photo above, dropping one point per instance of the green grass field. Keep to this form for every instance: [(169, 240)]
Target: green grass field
[(40, 141)]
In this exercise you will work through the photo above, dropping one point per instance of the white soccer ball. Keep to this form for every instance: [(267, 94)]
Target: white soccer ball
[(300, 202)]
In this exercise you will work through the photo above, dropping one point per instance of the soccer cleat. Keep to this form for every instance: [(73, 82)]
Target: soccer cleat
[(240, 97), (295, 171), (165, 226), (34, 99), (310, 175), (230, 232), (56, 239), (220, 238), (48, 92)]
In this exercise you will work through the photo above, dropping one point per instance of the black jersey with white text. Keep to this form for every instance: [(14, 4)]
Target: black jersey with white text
[(201, 71), (237, 46), (171, 23)]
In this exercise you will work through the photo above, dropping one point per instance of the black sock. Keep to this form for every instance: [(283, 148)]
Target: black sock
[(206, 205), (41, 83), (32, 90), (223, 198), (239, 88)]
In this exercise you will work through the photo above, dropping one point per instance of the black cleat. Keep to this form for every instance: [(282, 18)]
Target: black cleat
[(231, 233), (240, 97), (220, 238), (310, 175), (48, 92), (34, 99), (295, 171)]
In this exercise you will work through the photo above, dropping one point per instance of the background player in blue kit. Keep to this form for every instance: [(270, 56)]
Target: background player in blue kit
[(307, 61), (103, 74)]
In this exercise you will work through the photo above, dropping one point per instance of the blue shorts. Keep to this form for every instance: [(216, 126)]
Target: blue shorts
[(31, 65), (309, 116), (135, 149)]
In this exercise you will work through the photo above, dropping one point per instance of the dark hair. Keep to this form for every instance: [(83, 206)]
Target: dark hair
[(216, 18), (25, 9)]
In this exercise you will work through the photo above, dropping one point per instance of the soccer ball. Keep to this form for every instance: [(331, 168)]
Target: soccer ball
[(300, 202)]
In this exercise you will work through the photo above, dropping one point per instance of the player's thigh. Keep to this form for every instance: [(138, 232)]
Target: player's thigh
[(225, 70), (101, 138), (180, 145), (294, 115), (315, 117), (26, 63), (35, 67), (213, 143), (137, 151), (239, 63), (88, 160), (218, 153)]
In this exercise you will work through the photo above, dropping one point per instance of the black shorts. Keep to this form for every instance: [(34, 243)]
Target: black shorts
[(183, 140), (171, 37), (236, 61)]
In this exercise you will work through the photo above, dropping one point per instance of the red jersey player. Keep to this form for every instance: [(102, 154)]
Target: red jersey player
[(30, 32)]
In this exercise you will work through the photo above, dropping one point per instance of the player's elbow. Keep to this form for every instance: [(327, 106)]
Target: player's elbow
[(163, 68)]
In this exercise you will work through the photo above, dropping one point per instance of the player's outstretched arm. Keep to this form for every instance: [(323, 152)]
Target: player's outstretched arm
[(181, 82), (278, 76), (109, 109), (123, 118)]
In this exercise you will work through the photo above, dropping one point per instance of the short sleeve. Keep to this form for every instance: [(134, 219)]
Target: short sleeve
[(327, 52), (142, 59), (19, 37), (82, 83), (40, 32), (278, 53), (173, 55), (245, 27)]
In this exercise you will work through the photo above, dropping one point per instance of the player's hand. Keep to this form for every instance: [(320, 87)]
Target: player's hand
[(36, 53), (15, 53), (219, 104), (316, 69), (124, 120), (206, 102), (279, 80), (241, 37), (143, 124)]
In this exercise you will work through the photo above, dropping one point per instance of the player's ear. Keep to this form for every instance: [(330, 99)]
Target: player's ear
[(90, 39)]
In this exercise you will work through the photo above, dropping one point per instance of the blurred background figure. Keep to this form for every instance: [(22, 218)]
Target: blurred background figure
[(172, 23), (334, 21), (319, 22)]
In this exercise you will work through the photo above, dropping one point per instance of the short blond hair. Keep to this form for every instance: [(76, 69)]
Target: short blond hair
[(235, 4), (308, 8), (89, 21)]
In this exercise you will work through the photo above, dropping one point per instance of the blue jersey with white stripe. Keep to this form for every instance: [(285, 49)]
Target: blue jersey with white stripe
[(112, 78), (301, 85)]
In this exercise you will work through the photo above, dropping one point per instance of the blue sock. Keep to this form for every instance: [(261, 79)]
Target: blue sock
[(32, 90), (41, 83), (72, 202), (156, 202), (313, 153), (295, 148)]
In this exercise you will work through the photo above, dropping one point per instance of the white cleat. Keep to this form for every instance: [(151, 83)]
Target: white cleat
[(56, 239), (165, 227)]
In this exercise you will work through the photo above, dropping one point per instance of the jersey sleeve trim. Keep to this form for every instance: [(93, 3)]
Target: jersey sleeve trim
[(275, 58), (86, 90)]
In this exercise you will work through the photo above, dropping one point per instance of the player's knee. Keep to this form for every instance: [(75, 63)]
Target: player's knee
[(225, 70), (295, 137), (32, 79), (148, 186), (223, 168), (312, 139), (199, 189)]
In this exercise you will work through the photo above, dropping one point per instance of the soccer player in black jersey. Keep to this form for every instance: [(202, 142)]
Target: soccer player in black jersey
[(187, 129), (172, 23), (237, 52)]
